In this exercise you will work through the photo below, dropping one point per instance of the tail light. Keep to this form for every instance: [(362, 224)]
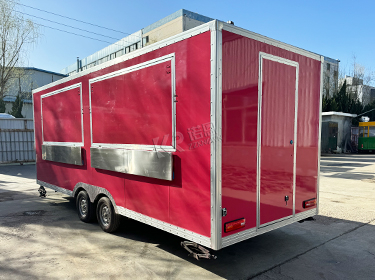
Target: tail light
[(309, 203), (230, 226)]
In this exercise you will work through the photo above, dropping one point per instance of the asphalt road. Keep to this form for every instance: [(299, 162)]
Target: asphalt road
[(43, 237)]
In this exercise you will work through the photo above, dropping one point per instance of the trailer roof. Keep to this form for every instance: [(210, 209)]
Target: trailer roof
[(184, 35)]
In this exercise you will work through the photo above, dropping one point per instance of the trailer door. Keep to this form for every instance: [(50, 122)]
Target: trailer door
[(277, 144)]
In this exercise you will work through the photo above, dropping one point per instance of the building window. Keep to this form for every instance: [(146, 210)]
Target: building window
[(145, 40), (328, 67), (119, 53), (336, 78)]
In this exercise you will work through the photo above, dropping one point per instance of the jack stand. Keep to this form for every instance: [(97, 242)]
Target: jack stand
[(42, 191), (197, 251)]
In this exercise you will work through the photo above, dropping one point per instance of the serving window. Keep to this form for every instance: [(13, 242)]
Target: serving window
[(134, 107), (62, 119)]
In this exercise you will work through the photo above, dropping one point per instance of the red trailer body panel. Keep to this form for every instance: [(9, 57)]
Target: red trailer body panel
[(229, 119), (133, 121), (241, 71)]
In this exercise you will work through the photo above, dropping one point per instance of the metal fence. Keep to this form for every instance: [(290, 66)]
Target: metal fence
[(16, 140)]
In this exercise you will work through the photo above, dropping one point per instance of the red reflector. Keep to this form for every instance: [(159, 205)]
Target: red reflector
[(234, 225), (362, 146), (309, 203)]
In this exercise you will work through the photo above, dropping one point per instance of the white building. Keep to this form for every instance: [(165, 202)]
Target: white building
[(344, 124), (355, 86), (30, 78), (173, 24)]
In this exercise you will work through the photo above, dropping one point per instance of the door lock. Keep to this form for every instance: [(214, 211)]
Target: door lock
[(224, 212)]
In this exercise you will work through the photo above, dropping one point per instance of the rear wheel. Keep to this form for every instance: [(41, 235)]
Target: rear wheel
[(85, 208), (108, 220)]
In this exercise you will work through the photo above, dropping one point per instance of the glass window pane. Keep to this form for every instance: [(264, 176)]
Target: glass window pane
[(372, 131), (361, 131), (119, 53)]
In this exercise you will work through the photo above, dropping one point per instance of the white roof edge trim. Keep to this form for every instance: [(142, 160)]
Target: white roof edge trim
[(338, 114), (264, 39), (181, 36), (158, 45)]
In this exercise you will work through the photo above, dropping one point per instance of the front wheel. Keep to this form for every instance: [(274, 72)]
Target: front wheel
[(85, 208), (108, 220)]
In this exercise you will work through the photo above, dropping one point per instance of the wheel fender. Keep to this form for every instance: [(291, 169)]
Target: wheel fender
[(93, 192)]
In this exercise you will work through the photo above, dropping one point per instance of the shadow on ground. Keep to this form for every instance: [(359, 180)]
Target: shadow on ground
[(25, 171), (243, 260)]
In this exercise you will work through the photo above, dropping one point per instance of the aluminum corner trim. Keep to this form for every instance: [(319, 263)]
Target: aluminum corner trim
[(216, 123), (181, 232), (264, 39), (320, 132), (151, 164), (55, 188), (246, 234)]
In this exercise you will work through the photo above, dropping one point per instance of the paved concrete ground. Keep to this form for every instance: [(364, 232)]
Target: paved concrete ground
[(43, 238)]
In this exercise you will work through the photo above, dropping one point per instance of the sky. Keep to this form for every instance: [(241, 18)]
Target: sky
[(337, 29)]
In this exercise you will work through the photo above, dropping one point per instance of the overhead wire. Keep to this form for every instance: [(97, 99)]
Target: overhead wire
[(79, 35), (76, 34), (73, 19), (68, 25)]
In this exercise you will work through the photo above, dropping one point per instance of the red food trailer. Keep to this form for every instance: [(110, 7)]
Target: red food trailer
[(212, 135)]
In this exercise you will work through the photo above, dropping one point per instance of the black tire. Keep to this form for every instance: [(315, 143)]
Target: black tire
[(108, 220), (85, 209)]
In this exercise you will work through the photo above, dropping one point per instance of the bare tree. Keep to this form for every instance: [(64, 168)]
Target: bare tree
[(362, 73), (16, 34)]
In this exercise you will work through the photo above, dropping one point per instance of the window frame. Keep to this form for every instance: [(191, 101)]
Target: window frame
[(80, 144), (162, 148)]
